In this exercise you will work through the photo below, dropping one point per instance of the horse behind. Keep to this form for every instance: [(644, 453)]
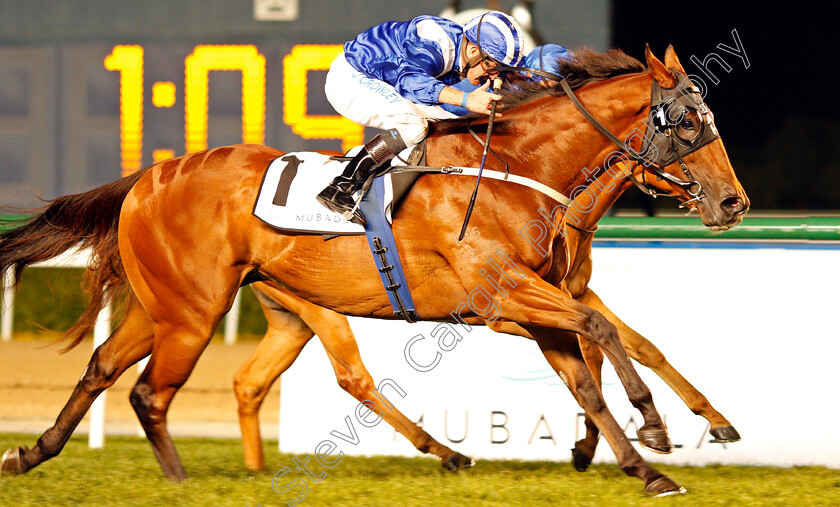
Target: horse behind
[(292, 322), (185, 240)]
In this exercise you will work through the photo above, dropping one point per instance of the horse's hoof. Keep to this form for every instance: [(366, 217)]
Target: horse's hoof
[(725, 434), (254, 467), (663, 486), (457, 461), (10, 463), (580, 459), (656, 441)]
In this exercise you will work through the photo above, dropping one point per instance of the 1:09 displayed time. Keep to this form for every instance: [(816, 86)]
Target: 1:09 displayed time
[(128, 60)]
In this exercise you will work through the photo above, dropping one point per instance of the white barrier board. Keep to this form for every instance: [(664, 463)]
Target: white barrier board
[(751, 328)]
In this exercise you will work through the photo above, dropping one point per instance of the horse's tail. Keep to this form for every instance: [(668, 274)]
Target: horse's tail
[(89, 221)]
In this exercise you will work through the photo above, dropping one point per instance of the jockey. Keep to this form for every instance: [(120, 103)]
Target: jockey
[(395, 76), (541, 57)]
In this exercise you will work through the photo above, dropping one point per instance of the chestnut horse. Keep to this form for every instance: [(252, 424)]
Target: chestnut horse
[(185, 240)]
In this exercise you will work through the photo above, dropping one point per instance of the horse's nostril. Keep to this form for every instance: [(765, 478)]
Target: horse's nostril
[(733, 205)]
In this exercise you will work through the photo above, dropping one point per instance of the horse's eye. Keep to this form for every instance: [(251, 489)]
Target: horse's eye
[(689, 127)]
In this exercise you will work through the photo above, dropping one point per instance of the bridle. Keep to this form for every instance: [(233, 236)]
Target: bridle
[(679, 123)]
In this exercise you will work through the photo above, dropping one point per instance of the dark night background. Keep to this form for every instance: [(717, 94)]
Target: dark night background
[(779, 118)]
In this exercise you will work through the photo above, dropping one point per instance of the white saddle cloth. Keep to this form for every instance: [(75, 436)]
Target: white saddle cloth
[(287, 201)]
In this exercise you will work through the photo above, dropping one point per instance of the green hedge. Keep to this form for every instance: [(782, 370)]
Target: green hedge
[(52, 299), (751, 228)]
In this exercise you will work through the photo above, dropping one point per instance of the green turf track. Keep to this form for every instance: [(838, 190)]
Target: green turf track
[(125, 473)]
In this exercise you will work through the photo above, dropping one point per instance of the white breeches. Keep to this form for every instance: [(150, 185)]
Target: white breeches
[(375, 103)]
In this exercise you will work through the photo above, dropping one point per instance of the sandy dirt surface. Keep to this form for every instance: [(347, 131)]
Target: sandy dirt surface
[(36, 381)]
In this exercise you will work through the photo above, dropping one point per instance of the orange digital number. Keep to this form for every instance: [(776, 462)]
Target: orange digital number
[(197, 65), (296, 64), (128, 60)]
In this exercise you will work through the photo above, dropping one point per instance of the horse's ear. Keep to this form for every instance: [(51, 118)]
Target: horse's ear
[(671, 60), (659, 71)]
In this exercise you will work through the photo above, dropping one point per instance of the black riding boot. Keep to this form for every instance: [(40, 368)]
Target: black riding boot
[(338, 196)]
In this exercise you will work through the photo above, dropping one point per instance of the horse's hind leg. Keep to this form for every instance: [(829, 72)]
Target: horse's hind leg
[(643, 351), (563, 354), (185, 288), (174, 355), (129, 343), (281, 345), (584, 449), (340, 344)]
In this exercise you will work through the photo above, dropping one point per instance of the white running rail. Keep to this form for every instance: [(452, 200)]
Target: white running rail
[(77, 258)]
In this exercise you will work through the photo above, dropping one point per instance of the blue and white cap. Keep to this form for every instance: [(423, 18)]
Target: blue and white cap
[(500, 37), (544, 57)]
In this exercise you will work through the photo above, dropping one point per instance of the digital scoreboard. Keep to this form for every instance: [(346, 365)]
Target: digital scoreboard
[(74, 118)]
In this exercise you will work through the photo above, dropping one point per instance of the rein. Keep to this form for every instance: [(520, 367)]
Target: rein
[(581, 230), (691, 186), (661, 141), (662, 100), (497, 84), (487, 173)]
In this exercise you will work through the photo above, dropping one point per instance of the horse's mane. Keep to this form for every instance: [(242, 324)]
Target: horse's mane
[(586, 67)]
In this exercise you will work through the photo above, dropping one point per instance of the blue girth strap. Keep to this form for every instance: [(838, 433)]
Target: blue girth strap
[(384, 248)]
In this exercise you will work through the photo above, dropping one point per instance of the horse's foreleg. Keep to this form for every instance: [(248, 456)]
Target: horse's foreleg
[(643, 351), (129, 343), (357, 381), (283, 341), (291, 323), (563, 354), (534, 302), (340, 344)]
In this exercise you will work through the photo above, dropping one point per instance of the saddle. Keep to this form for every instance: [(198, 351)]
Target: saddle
[(286, 201)]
